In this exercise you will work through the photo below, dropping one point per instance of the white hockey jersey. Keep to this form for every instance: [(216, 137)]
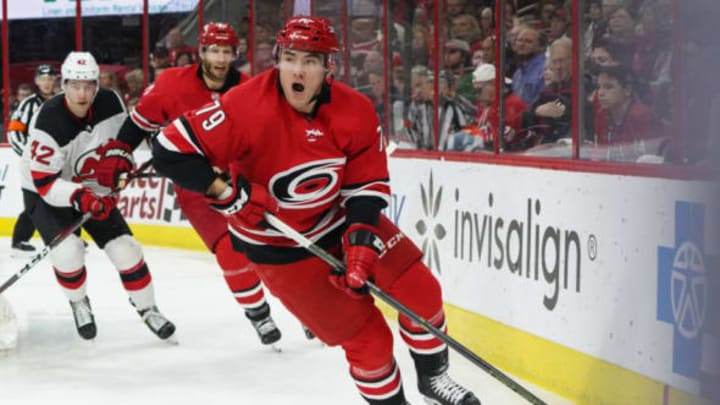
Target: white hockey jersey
[(60, 155)]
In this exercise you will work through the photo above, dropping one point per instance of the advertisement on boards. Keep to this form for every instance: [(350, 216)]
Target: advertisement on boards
[(612, 266)]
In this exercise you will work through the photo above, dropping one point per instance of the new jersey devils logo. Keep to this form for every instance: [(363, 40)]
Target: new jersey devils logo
[(308, 185), (85, 165)]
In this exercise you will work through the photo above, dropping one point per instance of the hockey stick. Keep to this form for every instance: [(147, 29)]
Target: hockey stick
[(59, 238), (336, 263)]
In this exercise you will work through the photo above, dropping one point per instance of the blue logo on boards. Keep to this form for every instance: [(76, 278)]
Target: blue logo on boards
[(682, 298)]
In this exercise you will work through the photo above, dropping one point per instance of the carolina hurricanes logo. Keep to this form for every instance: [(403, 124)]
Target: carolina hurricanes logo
[(308, 185), (85, 166)]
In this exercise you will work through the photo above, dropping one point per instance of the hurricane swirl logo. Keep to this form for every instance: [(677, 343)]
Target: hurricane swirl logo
[(308, 185)]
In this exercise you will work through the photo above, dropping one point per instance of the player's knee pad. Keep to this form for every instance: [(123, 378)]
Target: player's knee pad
[(69, 255), (229, 259), (418, 290), (124, 251), (372, 347)]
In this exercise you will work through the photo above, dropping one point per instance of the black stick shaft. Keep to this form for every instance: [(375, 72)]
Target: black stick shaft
[(379, 293)]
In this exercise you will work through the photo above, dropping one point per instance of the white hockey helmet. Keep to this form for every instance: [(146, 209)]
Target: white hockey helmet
[(79, 66)]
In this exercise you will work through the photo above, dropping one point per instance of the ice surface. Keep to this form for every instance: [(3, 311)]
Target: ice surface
[(219, 359)]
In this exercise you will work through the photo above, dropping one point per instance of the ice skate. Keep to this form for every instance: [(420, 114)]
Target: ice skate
[(264, 325), (443, 390), (157, 322), (23, 249), (308, 333), (84, 319)]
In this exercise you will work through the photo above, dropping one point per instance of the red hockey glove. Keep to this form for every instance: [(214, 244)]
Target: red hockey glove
[(84, 200), (246, 203), (116, 162), (362, 247)]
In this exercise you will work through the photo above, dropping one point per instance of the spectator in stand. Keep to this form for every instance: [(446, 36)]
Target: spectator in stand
[(621, 25), (263, 56), (184, 59), (454, 8), (592, 30), (458, 63), (176, 45), (158, 60), (398, 75), (466, 27), (487, 21), (241, 63), (134, 81), (512, 60), (363, 36), (264, 32), (480, 135), (605, 52), (109, 80), (610, 6), (546, 9), (550, 117), (559, 24), (23, 91), (376, 80), (528, 79), (488, 50), (420, 45), (653, 55), (622, 122)]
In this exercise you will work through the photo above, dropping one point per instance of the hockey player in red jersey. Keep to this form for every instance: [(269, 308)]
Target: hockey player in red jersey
[(175, 91), (310, 150), (56, 170)]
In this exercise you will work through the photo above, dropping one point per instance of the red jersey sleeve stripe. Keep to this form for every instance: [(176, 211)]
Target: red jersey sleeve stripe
[(178, 138), (143, 122)]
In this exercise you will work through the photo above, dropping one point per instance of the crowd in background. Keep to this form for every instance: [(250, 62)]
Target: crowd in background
[(626, 98)]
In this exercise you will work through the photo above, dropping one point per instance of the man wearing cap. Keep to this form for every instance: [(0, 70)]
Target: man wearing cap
[(487, 118), (17, 131), (458, 62)]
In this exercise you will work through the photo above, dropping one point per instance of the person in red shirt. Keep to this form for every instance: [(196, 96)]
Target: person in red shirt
[(176, 46), (178, 90), (623, 123), (479, 135), (311, 151)]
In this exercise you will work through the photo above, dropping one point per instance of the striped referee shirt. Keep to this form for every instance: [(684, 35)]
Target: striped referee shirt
[(17, 129)]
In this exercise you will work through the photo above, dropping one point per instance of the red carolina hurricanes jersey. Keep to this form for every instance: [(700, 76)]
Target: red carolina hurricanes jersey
[(176, 91), (310, 165)]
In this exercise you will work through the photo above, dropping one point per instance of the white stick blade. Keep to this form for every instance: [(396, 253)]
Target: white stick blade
[(8, 326)]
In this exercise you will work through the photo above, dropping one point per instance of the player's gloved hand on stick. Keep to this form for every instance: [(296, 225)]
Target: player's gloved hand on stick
[(244, 203), (362, 247), (116, 163), (84, 200)]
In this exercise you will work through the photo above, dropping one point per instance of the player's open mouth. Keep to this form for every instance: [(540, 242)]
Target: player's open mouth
[(298, 87)]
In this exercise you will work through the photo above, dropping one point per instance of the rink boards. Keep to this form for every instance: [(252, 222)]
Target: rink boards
[(592, 285)]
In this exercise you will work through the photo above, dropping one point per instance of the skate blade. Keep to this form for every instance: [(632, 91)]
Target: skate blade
[(276, 347), (171, 340)]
